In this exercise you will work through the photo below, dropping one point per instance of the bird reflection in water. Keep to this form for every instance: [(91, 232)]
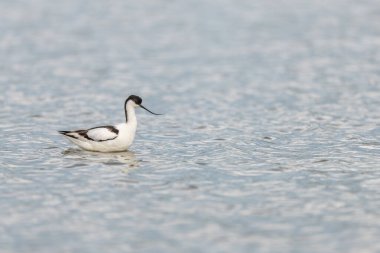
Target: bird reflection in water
[(127, 160)]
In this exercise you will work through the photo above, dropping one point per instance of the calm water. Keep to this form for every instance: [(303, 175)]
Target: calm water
[(270, 140)]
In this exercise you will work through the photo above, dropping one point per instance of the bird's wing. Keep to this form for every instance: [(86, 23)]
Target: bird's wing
[(103, 133), (99, 134)]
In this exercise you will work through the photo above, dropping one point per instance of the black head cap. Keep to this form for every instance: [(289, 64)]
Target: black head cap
[(135, 99)]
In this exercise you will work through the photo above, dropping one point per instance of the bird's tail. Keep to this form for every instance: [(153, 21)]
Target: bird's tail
[(70, 134)]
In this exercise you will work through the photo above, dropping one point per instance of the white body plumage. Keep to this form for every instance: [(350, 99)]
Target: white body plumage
[(109, 138), (123, 140)]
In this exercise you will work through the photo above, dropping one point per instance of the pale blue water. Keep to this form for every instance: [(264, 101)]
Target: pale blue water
[(270, 140)]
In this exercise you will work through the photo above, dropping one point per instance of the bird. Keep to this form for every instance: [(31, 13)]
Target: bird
[(110, 138)]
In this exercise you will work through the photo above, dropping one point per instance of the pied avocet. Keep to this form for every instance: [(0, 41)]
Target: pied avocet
[(110, 138)]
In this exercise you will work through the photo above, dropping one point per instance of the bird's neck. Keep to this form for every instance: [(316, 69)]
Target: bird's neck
[(130, 115)]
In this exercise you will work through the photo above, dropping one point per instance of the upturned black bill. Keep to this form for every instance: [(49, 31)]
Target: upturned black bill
[(149, 111)]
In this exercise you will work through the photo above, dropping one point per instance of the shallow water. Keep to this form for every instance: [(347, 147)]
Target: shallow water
[(270, 140)]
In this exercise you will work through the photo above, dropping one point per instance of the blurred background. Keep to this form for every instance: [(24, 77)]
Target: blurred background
[(270, 140)]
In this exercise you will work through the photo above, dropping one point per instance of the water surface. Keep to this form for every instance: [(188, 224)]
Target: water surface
[(270, 140)]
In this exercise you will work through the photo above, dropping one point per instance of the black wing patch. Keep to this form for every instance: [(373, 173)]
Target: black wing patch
[(93, 136)]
